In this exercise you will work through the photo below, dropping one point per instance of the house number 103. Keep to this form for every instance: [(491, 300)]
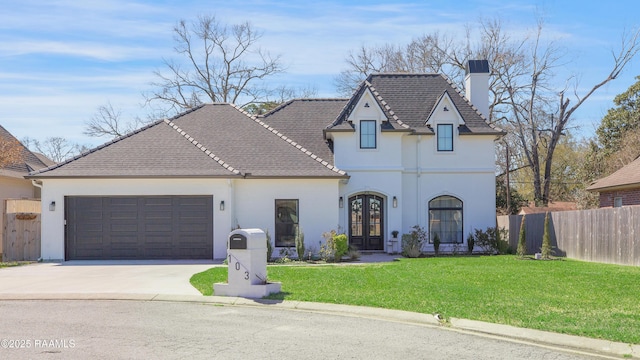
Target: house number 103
[(237, 266)]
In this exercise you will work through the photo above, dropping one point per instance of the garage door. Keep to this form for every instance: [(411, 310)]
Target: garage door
[(141, 227)]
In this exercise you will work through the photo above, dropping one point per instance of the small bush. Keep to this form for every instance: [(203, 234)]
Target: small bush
[(341, 243), (436, 243), (285, 256), (470, 243), (269, 246), (413, 242), (522, 239), (490, 240), (335, 246), (299, 241), (353, 253)]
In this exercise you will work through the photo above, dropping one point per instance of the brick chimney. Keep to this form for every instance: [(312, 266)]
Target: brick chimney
[(476, 83)]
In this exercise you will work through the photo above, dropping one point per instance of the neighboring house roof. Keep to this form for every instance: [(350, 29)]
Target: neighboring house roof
[(551, 207), (303, 121), (409, 99), (627, 177), (30, 161), (213, 140)]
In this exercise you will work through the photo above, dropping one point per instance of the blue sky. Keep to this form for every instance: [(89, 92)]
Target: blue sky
[(61, 59)]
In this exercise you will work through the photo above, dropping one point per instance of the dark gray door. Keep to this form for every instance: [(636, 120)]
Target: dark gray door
[(138, 227)]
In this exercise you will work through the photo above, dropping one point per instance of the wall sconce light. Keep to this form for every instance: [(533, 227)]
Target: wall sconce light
[(445, 109), (366, 105), (222, 205), (395, 202), (52, 206), (341, 202)]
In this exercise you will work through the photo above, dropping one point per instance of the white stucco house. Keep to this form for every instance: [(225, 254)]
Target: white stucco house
[(405, 150)]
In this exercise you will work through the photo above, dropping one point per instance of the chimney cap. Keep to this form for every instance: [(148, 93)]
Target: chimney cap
[(477, 66)]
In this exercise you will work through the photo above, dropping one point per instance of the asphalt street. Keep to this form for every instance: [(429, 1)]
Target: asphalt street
[(123, 329)]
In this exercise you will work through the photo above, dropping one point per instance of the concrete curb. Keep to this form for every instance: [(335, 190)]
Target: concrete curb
[(588, 345), (545, 337)]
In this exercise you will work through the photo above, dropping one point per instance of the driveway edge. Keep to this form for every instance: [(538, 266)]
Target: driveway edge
[(566, 342)]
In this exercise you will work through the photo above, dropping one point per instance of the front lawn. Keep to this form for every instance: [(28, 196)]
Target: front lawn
[(565, 296)]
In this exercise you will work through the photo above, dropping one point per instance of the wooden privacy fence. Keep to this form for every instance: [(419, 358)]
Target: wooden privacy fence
[(21, 230), (609, 235)]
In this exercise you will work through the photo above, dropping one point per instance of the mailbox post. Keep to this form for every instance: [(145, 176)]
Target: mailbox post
[(247, 266)]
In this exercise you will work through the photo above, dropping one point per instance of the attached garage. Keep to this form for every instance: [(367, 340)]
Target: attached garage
[(138, 227)]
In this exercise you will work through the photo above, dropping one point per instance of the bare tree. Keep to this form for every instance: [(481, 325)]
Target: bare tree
[(220, 63), (108, 122), (523, 92), (56, 148)]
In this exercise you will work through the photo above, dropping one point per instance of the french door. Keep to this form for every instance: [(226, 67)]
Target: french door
[(366, 222)]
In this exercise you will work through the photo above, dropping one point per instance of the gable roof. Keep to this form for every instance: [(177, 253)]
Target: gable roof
[(213, 140), (628, 176), (30, 161), (409, 99), (303, 120)]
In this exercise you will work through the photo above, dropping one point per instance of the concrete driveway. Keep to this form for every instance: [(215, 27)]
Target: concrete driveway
[(84, 277)]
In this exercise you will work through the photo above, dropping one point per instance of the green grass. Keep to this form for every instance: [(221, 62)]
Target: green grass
[(13, 263), (571, 297)]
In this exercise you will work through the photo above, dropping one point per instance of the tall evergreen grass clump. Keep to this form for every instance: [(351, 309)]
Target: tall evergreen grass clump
[(522, 239), (269, 246), (299, 240), (436, 243), (547, 249)]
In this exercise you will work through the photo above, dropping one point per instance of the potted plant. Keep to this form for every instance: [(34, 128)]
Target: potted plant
[(394, 240)]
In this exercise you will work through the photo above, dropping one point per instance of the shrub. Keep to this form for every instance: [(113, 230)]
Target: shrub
[(269, 246), (522, 239), (335, 246), (413, 242), (299, 241), (353, 253), (436, 243), (547, 249), (341, 243), (285, 256), (470, 243), (481, 238), (490, 240)]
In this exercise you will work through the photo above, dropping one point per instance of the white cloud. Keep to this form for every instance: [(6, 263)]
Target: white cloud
[(79, 49)]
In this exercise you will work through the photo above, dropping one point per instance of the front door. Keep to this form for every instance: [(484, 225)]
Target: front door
[(366, 222)]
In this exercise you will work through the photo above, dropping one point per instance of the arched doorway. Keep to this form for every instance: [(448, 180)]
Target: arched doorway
[(366, 222)]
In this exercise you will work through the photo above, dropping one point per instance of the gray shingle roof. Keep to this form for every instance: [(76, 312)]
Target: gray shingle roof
[(303, 120), (30, 161), (627, 176), (409, 99), (214, 140)]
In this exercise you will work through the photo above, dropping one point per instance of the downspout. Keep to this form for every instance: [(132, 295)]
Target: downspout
[(35, 183), (418, 174)]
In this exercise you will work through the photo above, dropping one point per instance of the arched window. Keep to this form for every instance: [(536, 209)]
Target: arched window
[(445, 219)]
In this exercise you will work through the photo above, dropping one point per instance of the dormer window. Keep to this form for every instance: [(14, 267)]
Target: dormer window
[(445, 137), (367, 134)]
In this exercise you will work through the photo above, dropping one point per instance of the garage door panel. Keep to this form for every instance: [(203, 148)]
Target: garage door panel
[(158, 215), (88, 227), (158, 227), (192, 228), (146, 227)]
